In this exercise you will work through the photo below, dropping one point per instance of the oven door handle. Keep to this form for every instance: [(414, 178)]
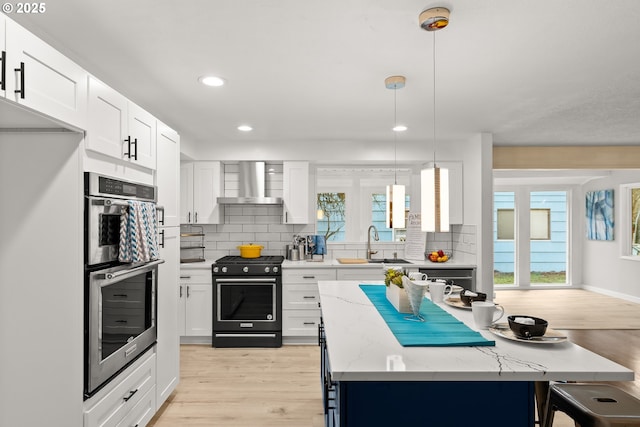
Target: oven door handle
[(109, 202), (130, 272), (225, 280)]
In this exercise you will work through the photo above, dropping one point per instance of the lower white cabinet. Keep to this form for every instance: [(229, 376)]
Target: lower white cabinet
[(361, 274), (133, 397), (300, 298), (196, 302)]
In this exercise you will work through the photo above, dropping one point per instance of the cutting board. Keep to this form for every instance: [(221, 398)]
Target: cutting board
[(352, 261)]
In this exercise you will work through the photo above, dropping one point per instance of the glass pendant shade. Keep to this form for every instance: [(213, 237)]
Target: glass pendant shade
[(395, 206), (434, 191)]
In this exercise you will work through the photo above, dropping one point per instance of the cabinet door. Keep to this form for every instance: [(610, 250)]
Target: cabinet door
[(168, 346), (186, 193), (142, 131), (207, 187), (3, 60), (45, 80), (182, 309), (167, 173), (199, 310), (295, 192), (107, 126)]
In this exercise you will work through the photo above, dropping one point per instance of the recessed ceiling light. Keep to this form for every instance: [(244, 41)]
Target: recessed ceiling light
[(400, 128), (211, 81), (245, 128)]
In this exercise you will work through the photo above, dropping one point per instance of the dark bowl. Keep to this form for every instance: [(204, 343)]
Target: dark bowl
[(468, 299), (523, 330)]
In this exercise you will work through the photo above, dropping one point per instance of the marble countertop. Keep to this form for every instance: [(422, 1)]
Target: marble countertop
[(362, 348), (414, 265)]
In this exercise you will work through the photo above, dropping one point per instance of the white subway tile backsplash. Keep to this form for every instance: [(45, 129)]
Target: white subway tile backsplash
[(263, 225)]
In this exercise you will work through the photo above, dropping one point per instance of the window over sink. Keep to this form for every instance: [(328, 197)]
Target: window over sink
[(350, 199)]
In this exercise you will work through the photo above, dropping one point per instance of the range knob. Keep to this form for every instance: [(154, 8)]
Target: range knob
[(215, 269), (224, 269), (275, 269), (245, 269), (266, 269)]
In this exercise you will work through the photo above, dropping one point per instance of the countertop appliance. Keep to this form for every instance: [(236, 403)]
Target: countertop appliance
[(120, 308), (247, 301)]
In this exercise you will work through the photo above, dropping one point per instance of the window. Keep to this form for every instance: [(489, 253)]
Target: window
[(331, 216), (630, 220), (378, 218), (351, 198), (530, 237)]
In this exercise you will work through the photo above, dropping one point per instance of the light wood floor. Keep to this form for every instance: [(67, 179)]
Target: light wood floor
[(245, 387)]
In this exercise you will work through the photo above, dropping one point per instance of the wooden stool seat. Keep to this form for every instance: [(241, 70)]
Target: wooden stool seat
[(593, 405)]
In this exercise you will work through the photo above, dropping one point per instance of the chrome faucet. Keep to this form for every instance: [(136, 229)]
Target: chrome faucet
[(375, 237)]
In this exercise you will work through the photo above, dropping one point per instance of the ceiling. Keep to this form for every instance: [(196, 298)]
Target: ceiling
[(530, 72)]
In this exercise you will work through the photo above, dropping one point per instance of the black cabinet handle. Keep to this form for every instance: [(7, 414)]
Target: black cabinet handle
[(131, 393), (21, 71), (188, 293), (128, 141), (135, 145), (3, 73), (180, 291), (189, 217), (162, 240)]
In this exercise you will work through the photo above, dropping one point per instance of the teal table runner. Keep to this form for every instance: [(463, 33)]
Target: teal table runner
[(440, 329)]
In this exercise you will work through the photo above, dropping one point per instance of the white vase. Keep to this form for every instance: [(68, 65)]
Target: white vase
[(398, 298)]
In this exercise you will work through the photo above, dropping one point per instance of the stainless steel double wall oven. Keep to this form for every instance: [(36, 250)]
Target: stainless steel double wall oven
[(120, 298), (247, 301)]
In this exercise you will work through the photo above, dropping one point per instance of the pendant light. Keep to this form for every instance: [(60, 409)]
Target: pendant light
[(395, 192), (434, 182)]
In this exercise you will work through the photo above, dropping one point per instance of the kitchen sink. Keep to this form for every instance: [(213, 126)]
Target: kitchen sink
[(389, 261)]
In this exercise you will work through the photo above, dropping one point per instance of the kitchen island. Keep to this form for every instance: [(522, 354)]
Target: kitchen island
[(370, 379)]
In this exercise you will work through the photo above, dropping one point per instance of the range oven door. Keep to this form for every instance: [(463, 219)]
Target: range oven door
[(247, 304), (120, 319)]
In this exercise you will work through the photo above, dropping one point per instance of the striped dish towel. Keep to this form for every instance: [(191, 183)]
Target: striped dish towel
[(138, 233)]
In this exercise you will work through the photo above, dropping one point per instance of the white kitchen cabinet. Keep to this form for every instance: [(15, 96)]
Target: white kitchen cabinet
[(41, 78), (196, 302), (372, 274), (168, 345), (168, 173), (300, 298), (119, 128), (201, 183), (3, 58), (113, 405), (295, 192)]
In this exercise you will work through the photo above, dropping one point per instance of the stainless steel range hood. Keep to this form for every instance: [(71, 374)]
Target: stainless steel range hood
[(251, 190)]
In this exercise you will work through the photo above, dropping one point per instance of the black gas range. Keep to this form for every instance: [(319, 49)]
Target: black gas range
[(247, 301)]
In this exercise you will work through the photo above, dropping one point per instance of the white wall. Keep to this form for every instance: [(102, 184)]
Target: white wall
[(603, 269)]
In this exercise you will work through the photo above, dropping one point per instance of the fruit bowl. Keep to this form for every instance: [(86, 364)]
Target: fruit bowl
[(438, 256)]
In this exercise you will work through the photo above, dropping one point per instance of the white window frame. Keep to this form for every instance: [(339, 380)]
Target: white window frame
[(624, 220), (522, 197)]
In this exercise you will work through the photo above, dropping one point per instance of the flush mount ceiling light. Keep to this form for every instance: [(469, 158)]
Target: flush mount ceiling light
[(211, 81), (399, 128), (395, 192), (434, 182), (245, 128), (434, 19)]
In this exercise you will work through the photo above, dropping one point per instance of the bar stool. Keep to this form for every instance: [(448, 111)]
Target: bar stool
[(592, 405)]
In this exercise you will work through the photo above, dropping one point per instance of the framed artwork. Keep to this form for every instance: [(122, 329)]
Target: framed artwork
[(599, 210)]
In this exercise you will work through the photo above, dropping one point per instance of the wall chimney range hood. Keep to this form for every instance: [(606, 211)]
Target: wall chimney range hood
[(251, 186)]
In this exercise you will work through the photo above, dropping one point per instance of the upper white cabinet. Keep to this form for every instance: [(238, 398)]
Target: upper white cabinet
[(201, 183), (119, 128), (167, 173), (39, 77), (295, 192)]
